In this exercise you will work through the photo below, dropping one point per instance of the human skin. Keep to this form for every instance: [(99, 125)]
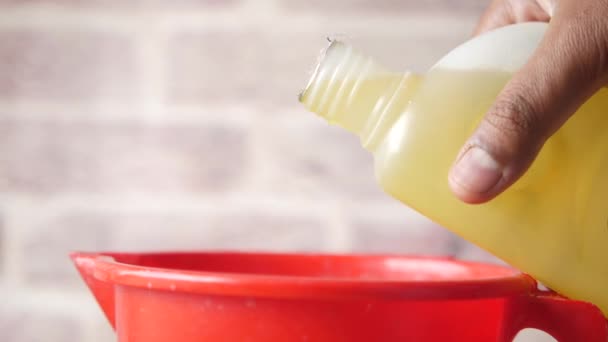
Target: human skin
[(568, 67)]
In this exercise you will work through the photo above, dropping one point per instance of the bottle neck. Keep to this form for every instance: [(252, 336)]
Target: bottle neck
[(350, 90)]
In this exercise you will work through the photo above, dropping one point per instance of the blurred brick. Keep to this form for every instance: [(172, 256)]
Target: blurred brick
[(48, 243), (72, 66), (30, 326), (53, 157), (470, 252), (306, 156), (216, 66), (401, 231), (267, 231), (387, 6), (244, 229), (103, 331)]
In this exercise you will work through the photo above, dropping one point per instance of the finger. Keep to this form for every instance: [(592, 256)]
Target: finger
[(496, 15), (548, 6), (562, 73), (505, 12)]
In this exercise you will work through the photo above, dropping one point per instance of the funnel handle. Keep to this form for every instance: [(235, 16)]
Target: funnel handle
[(103, 291), (564, 319)]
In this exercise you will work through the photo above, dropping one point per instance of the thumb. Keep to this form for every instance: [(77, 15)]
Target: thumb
[(565, 70)]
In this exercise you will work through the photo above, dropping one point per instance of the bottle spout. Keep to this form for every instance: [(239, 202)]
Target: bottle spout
[(333, 90), (351, 90)]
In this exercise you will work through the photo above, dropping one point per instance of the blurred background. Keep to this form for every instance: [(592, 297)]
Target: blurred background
[(172, 125)]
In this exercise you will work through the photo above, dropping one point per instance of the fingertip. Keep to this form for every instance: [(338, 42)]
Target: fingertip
[(465, 196), (475, 176)]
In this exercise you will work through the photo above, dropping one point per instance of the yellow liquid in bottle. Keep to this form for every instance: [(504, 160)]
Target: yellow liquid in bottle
[(552, 223)]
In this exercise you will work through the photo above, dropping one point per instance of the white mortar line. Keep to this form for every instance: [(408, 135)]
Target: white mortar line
[(155, 113), (244, 17), (167, 203)]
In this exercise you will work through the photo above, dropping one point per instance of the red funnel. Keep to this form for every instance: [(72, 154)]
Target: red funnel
[(193, 297)]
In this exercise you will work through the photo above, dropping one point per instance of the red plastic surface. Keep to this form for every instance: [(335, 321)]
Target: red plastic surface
[(192, 297)]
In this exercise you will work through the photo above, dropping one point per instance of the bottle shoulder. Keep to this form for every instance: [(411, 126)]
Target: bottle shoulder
[(506, 49)]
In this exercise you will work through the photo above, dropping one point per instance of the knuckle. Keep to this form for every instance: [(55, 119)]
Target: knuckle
[(585, 38), (514, 115)]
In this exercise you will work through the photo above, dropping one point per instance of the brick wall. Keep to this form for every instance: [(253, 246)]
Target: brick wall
[(148, 124)]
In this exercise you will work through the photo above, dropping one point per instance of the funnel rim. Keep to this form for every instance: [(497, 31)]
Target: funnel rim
[(126, 269)]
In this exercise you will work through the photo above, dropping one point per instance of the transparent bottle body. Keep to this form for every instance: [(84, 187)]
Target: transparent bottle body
[(552, 224)]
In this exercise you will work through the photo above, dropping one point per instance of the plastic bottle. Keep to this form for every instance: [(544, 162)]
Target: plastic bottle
[(552, 224)]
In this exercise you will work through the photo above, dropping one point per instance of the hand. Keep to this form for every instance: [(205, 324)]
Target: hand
[(568, 67)]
